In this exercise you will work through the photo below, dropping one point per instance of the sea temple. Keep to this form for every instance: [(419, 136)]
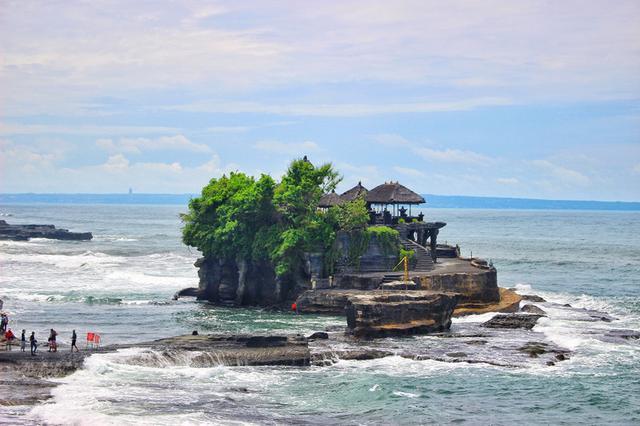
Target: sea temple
[(387, 272)]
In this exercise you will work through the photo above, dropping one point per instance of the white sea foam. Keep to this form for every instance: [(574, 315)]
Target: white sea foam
[(406, 394), (473, 318), (85, 259)]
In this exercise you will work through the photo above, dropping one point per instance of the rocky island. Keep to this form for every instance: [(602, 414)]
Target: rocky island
[(361, 253)]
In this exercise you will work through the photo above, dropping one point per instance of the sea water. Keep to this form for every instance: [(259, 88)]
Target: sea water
[(121, 284)]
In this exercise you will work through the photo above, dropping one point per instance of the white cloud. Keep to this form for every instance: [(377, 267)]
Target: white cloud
[(29, 172), (51, 129), (49, 65), (341, 109), (564, 174), (292, 149), (163, 143), (508, 181), (453, 156), (391, 140), (407, 171), (445, 155), (228, 129)]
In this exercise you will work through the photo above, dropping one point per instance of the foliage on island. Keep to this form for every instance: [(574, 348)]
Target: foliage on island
[(239, 217)]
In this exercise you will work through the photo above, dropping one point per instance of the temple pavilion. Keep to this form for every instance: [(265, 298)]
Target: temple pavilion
[(391, 204)]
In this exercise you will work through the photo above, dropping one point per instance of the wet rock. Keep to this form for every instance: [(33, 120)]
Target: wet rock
[(599, 315), (532, 298), (457, 355), (187, 292), (526, 321), (534, 349), (363, 354), (266, 341), (318, 335), (551, 363), (26, 232), (533, 309), (624, 334), (509, 302), (379, 314), (566, 305), (476, 342)]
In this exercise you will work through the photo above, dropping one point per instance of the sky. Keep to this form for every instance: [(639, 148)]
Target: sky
[(535, 99)]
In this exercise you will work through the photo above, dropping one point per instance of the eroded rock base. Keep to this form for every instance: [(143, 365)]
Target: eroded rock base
[(382, 313)]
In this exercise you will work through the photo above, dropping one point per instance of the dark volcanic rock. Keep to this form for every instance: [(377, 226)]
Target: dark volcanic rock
[(364, 354), (379, 314), (624, 334), (532, 298), (25, 232), (534, 349), (599, 315), (526, 321), (533, 309), (187, 292), (266, 341), (318, 335)]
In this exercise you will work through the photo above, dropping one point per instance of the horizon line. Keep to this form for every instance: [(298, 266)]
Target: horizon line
[(197, 193)]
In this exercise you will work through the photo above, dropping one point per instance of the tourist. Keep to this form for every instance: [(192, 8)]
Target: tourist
[(4, 321), (53, 347), (34, 343), (74, 337), (23, 341), (294, 307), (9, 337)]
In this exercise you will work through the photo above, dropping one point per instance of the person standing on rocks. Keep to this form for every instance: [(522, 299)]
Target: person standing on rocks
[(53, 346), (74, 338), (9, 338), (34, 343), (23, 340), (4, 321)]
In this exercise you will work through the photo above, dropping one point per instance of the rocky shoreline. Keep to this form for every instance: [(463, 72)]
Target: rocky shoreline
[(505, 340), (26, 232)]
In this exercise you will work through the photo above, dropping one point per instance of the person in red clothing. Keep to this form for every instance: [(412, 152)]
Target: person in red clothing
[(9, 337)]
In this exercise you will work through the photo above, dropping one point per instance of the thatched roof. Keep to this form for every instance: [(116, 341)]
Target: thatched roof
[(355, 192), (393, 193), (330, 200)]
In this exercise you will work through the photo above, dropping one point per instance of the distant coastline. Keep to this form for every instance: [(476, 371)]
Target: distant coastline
[(433, 201)]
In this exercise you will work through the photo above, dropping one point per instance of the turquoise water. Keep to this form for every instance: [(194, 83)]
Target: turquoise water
[(121, 283)]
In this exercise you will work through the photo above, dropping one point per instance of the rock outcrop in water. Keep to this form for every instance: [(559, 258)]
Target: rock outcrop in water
[(526, 321), (381, 314), (26, 232)]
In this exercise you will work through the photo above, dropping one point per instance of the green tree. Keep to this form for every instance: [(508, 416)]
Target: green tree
[(240, 218), (228, 215)]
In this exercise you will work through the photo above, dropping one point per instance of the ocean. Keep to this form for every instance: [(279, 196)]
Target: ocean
[(121, 284)]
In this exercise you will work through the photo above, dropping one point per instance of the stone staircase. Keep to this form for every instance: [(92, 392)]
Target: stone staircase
[(388, 278), (424, 262)]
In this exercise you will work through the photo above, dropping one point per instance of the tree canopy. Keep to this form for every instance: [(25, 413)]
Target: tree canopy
[(240, 217)]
